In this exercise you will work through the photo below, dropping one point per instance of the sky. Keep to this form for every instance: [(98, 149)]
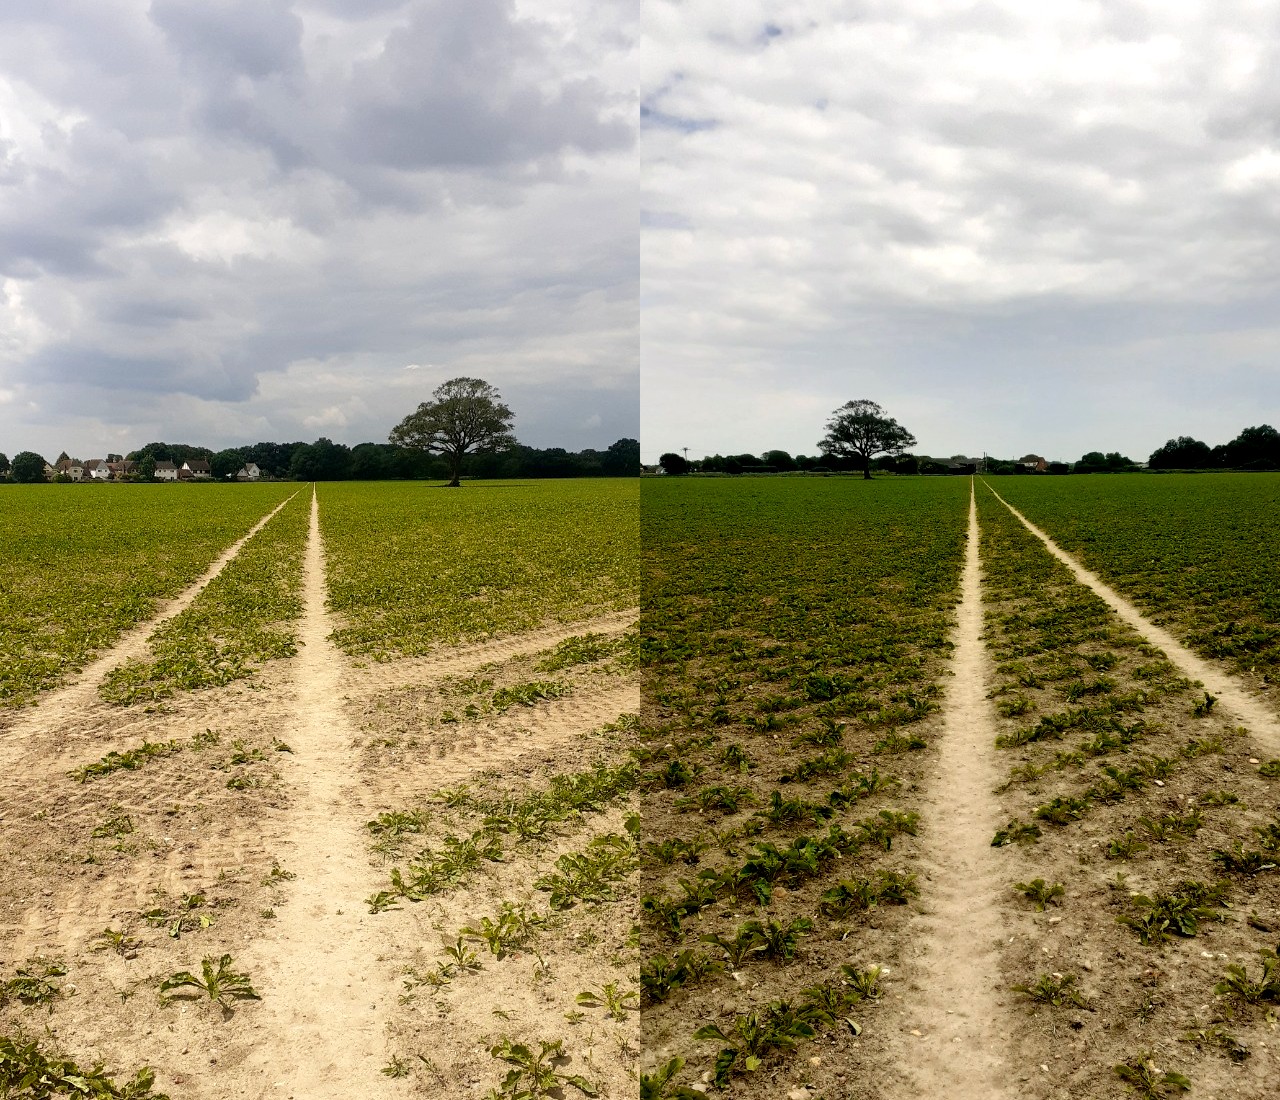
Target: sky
[(1020, 227), (226, 221), (1045, 228)]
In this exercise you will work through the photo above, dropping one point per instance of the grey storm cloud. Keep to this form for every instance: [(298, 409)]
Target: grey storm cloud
[(245, 218)]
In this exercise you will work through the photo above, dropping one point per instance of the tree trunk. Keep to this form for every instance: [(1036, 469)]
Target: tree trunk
[(866, 468), (455, 470)]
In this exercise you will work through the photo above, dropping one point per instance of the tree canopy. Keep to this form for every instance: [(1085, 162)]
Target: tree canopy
[(860, 429), (28, 467), (464, 415)]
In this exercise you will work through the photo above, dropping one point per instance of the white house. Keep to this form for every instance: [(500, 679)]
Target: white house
[(166, 471), (96, 469), (249, 472)]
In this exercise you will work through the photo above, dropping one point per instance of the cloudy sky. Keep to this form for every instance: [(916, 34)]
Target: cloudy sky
[(1049, 227), (224, 221)]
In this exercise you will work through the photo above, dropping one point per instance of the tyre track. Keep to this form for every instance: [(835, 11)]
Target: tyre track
[(506, 740), (74, 710), (1231, 694), (374, 678), (952, 1037)]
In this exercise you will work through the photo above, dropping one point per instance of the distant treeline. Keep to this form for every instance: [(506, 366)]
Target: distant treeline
[(1253, 449), (325, 460)]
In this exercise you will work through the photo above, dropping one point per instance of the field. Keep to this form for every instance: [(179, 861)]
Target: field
[(1200, 553), (83, 565), (260, 866), (838, 900), (749, 787)]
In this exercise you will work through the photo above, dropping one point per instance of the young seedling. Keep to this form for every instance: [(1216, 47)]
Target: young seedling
[(1054, 989), (611, 997), (1039, 892), (33, 984), (462, 955), (1237, 982), (535, 1075), (1142, 1076), (1016, 832), (220, 984)]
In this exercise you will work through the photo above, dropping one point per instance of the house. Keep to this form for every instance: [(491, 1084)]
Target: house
[(197, 468), (249, 472), (166, 471), (1033, 464), (96, 469), (121, 468)]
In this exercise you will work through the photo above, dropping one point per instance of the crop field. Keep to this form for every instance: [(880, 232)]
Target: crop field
[(796, 818), (238, 860), (83, 564), (1150, 825), (1200, 553), (811, 788), (414, 567), (794, 638)]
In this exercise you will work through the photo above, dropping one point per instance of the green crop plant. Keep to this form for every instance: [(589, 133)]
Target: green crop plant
[(661, 1085), (728, 799), (1205, 707), (511, 928), (592, 875), (753, 1036), (1270, 770), (789, 811), (219, 983), (1126, 847), (667, 852), (34, 984), (117, 825), (1216, 1036), (1062, 810), (534, 1075), (888, 824), (1040, 892), (776, 940), (1268, 836), (615, 1000), (464, 958), (864, 983), (29, 1073), (895, 743), (1240, 860), (129, 760), (1149, 1082), (581, 649), (1054, 989), (244, 754), (1176, 912), (1016, 832), (833, 760), (736, 757), (1238, 983), (661, 975)]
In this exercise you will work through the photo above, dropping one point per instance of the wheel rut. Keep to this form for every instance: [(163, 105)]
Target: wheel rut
[(952, 1033), (1231, 694)]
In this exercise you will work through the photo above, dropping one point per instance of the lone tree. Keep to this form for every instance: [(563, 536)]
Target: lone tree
[(860, 429), (464, 415), (673, 463)]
